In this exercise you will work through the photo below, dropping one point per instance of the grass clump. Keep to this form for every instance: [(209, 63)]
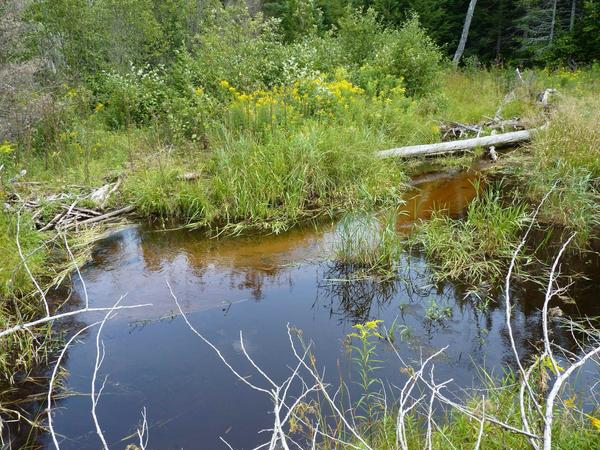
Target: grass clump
[(272, 181), (565, 158), (20, 351), (368, 246), (476, 248)]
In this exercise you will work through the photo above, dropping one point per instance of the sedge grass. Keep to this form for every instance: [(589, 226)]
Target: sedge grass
[(474, 249), (368, 246)]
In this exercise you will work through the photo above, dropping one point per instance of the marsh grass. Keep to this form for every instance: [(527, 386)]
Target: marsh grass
[(20, 351), (572, 429), (476, 248), (368, 246), (273, 181), (567, 156)]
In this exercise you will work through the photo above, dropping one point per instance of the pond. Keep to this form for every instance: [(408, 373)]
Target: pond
[(258, 285)]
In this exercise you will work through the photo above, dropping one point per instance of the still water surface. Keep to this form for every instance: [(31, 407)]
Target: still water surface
[(258, 285)]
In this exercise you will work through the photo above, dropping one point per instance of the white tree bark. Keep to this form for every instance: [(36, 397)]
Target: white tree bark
[(553, 23), (465, 33), (514, 137)]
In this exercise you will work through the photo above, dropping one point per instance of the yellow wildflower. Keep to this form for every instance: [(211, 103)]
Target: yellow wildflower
[(6, 148)]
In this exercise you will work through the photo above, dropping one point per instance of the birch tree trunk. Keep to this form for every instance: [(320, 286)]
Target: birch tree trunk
[(573, 13), (465, 33), (553, 24)]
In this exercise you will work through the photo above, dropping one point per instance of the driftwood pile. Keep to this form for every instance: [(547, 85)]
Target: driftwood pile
[(70, 215)]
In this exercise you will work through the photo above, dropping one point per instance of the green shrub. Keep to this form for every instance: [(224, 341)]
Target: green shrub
[(409, 54), (359, 35)]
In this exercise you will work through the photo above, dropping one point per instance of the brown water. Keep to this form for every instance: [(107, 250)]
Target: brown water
[(258, 285)]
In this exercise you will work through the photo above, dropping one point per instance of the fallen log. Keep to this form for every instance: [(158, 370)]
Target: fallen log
[(497, 140)]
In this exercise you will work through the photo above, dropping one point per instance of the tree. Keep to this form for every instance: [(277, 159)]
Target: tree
[(465, 33)]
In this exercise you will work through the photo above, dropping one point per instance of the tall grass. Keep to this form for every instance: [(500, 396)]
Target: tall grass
[(272, 181), (474, 249), (567, 155), (368, 246), (20, 351)]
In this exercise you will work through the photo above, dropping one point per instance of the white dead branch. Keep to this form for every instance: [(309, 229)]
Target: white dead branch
[(56, 315), (53, 381)]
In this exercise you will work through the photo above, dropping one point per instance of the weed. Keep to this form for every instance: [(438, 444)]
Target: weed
[(365, 359)]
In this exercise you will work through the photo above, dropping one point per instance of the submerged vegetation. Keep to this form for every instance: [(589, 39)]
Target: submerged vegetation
[(200, 115)]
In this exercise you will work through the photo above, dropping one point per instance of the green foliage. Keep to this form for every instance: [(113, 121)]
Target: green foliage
[(234, 46), (359, 35), (14, 279), (297, 18), (409, 54), (567, 156), (364, 355)]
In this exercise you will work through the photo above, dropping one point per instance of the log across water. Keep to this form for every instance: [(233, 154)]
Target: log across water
[(514, 137)]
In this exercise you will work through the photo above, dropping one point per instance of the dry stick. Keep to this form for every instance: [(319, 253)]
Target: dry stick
[(53, 378), (211, 345), (549, 294), (554, 392), (511, 267), (405, 395), (437, 387), (144, 433), (277, 394), (23, 259), (28, 325), (481, 423), (326, 394), (56, 218), (97, 365), (96, 219), (466, 411), (226, 443), (85, 291)]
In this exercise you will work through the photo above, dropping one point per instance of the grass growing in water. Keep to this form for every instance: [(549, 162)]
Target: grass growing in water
[(473, 249), (369, 246), (567, 155)]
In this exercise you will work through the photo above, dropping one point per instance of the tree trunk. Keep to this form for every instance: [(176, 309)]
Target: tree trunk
[(573, 13), (498, 140), (499, 34), (553, 24), (465, 33)]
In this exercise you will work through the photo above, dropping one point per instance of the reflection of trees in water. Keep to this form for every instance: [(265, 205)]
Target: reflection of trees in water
[(161, 249), (255, 280), (352, 298)]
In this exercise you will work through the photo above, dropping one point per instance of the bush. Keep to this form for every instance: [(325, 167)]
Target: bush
[(409, 54), (359, 35), (134, 97), (233, 46)]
